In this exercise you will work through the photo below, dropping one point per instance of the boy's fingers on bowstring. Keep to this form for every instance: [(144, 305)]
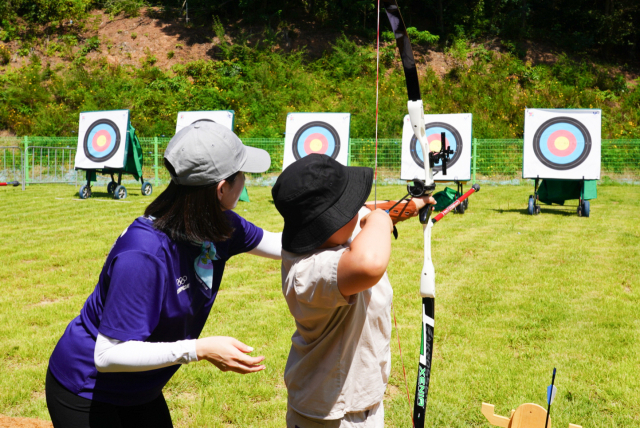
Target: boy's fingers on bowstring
[(364, 218), (377, 213)]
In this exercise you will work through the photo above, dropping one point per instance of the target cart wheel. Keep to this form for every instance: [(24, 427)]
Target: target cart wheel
[(460, 209), (531, 209), (537, 209), (111, 187), (585, 208), (466, 204), (85, 191), (146, 189), (120, 192)]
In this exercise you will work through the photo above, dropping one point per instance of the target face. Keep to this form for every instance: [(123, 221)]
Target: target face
[(452, 140), (562, 143), (101, 140), (316, 137)]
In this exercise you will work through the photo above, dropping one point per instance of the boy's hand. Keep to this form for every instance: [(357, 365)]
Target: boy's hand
[(422, 201), (378, 213), (403, 210)]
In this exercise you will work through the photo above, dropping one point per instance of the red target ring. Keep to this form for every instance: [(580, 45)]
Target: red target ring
[(101, 141), (316, 143), (562, 143)]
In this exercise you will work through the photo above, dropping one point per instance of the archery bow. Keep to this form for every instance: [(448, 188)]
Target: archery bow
[(419, 188)]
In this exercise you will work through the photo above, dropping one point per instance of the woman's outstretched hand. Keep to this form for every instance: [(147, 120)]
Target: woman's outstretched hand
[(228, 354)]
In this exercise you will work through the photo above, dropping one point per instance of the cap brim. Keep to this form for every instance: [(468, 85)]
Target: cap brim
[(258, 160), (310, 236)]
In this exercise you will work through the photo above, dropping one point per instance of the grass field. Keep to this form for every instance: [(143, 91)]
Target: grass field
[(516, 296)]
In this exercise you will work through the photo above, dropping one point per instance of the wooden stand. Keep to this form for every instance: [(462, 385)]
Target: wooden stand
[(526, 416)]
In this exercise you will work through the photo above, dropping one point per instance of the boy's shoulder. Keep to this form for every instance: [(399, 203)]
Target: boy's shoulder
[(310, 281), (313, 267), (313, 257)]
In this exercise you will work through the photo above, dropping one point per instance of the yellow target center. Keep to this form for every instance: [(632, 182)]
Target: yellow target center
[(315, 145), (561, 143), (435, 145), (102, 140)]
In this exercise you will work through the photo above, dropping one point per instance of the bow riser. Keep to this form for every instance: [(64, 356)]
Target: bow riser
[(416, 117)]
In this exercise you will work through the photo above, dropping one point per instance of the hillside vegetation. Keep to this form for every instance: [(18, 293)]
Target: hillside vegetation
[(264, 72)]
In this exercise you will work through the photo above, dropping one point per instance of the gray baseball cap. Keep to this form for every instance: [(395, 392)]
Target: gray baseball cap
[(206, 152)]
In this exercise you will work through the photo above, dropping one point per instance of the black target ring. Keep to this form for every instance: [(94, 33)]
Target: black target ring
[(537, 141), (86, 142), (203, 120), (306, 127), (413, 145)]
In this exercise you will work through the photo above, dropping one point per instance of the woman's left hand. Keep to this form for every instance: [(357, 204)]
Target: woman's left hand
[(228, 354)]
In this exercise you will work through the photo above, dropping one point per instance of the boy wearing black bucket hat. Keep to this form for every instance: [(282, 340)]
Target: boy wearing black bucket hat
[(338, 291)]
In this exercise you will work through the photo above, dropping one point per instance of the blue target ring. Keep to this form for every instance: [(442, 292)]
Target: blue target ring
[(453, 140), (316, 137), (562, 143), (102, 140)]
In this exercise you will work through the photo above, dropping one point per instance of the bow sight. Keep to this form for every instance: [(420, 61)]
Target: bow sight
[(419, 187)]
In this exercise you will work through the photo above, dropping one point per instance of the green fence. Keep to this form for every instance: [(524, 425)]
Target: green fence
[(51, 159)]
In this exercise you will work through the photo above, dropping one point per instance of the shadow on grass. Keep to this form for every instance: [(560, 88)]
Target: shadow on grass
[(543, 210), (106, 195)]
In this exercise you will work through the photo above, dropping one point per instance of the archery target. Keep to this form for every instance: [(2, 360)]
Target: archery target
[(457, 129), (562, 144), (102, 139), (322, 133), (316, 137), (223, 117)]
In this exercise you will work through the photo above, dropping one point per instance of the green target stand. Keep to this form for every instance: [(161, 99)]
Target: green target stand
[(550, 192), (107, 144)]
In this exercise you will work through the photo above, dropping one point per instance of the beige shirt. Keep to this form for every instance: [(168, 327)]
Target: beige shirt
[(340, 358)]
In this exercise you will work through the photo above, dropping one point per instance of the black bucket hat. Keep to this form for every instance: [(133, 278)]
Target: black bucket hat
[(316, 196)]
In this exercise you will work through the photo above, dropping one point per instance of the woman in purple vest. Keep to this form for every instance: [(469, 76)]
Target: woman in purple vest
[(156, 289)]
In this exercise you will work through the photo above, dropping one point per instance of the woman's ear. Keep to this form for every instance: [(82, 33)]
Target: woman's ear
[(222, 189)]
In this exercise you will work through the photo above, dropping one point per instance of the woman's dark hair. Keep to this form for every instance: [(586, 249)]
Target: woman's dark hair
[(190, 213)]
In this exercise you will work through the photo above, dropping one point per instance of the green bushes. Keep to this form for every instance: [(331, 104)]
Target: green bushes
[(417, 37), (5, 55), (262, 86)]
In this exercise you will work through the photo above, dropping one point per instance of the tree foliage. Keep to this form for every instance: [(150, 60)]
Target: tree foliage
[(602, 27)]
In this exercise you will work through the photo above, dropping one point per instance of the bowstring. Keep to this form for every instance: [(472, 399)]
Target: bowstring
[(375, 173), (404, 372)]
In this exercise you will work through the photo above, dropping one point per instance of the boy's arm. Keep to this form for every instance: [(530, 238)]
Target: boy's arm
[(365, 262), (403, 210)]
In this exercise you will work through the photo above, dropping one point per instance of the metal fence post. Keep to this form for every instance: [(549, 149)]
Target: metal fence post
[(26, 161), (475, 156), (155, 160)]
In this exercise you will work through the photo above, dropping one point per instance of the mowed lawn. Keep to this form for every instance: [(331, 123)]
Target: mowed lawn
[(516, 296)]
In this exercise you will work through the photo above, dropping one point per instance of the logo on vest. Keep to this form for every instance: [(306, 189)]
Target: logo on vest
[(181, 283)]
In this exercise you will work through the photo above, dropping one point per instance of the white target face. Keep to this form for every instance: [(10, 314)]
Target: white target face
[(563, 144), (102, 139), (223, 117), (322, 133), (457, 132)]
